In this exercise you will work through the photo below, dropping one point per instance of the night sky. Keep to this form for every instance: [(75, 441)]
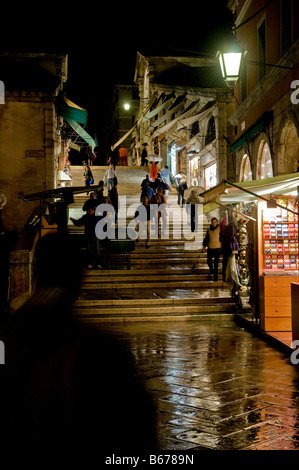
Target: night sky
[(102, 40)]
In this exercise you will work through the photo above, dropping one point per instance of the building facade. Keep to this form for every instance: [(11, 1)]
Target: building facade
[(183, 115), (126, 104), (30, 141), (265, 120)]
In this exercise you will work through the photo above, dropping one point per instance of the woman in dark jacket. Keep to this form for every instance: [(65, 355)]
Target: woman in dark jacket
[(100, 193), (88, 177), (229, 244), (114, 198), (182, 186)]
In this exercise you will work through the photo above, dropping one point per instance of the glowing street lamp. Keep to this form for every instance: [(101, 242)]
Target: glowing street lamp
[(230, 59), (230, 62), (127, 106)]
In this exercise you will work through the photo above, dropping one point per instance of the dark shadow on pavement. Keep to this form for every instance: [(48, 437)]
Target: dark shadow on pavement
[(68, 389)]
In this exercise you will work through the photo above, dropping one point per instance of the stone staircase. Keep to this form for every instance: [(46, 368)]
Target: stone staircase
[(161, 284), (129, 177)]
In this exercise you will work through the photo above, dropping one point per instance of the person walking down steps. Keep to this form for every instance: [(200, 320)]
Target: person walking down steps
[(90, 220), (109, 176), (143, 218), (88, 177), (213, 244)]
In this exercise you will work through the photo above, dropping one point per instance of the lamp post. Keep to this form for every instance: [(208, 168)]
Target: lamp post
[(230, 58)]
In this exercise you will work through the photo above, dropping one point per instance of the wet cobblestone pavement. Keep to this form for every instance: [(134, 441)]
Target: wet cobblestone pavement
[(215, 387)]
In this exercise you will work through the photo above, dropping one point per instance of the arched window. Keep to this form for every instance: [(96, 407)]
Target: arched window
[(211, 131), (195, 128), (245, 170), (264, 162), (210, 176)]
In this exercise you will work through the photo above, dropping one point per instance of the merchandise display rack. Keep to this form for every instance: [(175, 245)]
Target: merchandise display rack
[(280, 239)]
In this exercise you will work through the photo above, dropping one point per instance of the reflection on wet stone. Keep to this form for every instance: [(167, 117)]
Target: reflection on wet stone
[(215, 386)]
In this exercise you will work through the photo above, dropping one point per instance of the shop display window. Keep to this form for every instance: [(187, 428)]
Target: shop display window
[(280, 236), (264, 162), (210, 176), (245, 172), (173, 159)]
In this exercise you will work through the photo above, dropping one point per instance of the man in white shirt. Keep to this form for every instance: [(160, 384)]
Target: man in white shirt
[(109, 176), (165, 173)]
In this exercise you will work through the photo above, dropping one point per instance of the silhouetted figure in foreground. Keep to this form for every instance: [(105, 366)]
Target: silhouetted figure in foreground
[(66, 389)]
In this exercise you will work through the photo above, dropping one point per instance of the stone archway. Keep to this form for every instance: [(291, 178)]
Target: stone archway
[(288, 153), (264, 167), (245, 169)]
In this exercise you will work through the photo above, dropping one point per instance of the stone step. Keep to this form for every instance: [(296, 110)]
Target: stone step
[(170, 250), (158, 311), (173, 316), (171, 261), (121, 273), (151, 254), (177, 223), (158, 243), (129, 178), (155, 284), (160, 284), (211, 300), (151, 265), (114, 281), (148, 263), (173, 236), (135, 275)]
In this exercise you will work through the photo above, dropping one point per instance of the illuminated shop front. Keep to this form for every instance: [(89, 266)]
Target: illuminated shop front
[(265, 212), (264, 161), (194, 166), (172, 159), (245, 171), (210, 176)]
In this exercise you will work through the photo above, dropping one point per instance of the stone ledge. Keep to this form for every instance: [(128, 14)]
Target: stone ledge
[(23, 269)]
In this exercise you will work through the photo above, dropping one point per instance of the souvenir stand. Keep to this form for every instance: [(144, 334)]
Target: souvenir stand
[(278, 261), (241, 277), (273, 205)]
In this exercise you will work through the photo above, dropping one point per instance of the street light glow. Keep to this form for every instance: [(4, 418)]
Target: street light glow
[(230, 58), (230, 63)]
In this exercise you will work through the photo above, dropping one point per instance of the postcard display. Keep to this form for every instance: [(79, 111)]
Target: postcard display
[(280, 264), (280, 232)]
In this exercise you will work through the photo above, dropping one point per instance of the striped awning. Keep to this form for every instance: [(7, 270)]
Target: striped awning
[(82, 133), (69, 110), (227, 193)]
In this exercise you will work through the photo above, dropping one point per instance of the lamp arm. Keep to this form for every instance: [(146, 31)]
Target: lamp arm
[(269, 65)]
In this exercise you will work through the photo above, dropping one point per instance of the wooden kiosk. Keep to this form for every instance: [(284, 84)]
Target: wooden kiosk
[(278, 262), (275, 260)]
